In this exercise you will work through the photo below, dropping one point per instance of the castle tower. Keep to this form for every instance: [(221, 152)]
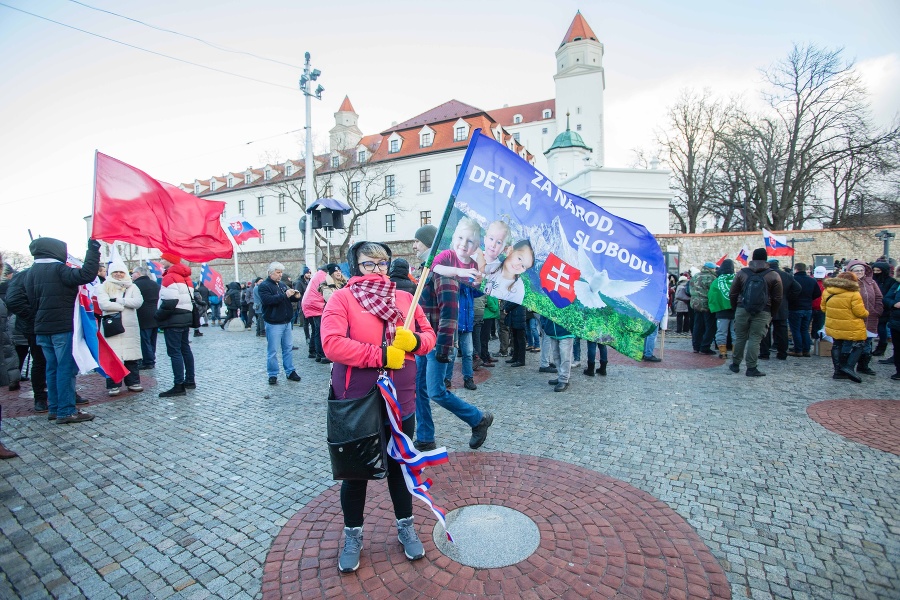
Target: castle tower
[(580, 81), (345, 134), (567, 156)]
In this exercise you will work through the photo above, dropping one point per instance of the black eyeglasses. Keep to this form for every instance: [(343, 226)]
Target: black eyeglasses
[(369, 266)]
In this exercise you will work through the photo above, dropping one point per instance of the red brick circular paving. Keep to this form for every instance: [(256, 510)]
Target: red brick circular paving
[(671, 359), (91, 386), (875, 423), (600, 538)]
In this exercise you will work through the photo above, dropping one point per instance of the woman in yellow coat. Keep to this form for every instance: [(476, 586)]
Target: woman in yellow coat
[(845, 321)]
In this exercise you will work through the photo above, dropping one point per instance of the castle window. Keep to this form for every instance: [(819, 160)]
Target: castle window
[(288, 170), (547, 113), (578, 127), (335, 162), (460, 134), (212, 185), (246, 178), (282, 234), (390, 223), (517, 119), (516, 136), (425, 180), (240, 207), (361, 156), (268, 174), (544, 130), (395, 146), (196, 188), (281, 204), (390, 186), (230, 181)]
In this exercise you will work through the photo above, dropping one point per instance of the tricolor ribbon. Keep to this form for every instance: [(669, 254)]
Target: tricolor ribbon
[(411, 461)]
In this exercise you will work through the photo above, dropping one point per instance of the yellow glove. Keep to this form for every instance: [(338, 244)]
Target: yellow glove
[(405, 339), (394, 358)]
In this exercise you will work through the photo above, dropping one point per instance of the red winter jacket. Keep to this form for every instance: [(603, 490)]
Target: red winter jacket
[(312, 302), (358, 355)]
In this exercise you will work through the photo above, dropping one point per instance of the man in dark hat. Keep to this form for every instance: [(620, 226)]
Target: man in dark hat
[(755, 295)]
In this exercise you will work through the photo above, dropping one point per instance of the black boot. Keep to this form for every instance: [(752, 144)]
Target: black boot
[(863, 365), (590, 369), (602, 370), (836, 362), (848, 363), (880, 348), (177, 390)]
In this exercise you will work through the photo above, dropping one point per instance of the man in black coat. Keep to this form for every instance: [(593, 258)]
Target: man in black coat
[(201, 299), (49, 289), (800, 310), (778, 328), (276, 298), (25, 324), (146, 315)]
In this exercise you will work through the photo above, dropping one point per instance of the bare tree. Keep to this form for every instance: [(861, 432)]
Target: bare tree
[(362, 184), (817, 111), (692, 150), (16, 260)]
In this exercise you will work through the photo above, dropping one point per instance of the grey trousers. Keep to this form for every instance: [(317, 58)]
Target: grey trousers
[(562, 356), (748, 331)]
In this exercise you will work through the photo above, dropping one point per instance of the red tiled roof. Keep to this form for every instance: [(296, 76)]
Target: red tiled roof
[(346, 106), (453, 109), (371, 141), (579, 30), (533, 111)]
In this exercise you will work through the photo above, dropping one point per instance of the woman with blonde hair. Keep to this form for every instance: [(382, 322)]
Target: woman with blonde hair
[(119, 295)]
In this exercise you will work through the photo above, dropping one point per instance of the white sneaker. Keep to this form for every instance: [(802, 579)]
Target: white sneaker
[(136, 387), (576, 364), (113, 391)]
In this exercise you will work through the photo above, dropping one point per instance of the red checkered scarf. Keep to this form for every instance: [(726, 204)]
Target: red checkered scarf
[(377, 295)]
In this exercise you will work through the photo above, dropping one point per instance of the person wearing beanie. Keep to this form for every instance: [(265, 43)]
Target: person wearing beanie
[(800, 309), (881, 274), (720, 306), (47, 293), (755, 294), (440, 302), (300, 285), (704, 331), (119, 295), (175, 317), (426, 235), (874, 301)]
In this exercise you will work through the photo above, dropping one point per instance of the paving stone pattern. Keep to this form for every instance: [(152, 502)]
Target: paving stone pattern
[(184, 498), (875, 423), (600, 538)]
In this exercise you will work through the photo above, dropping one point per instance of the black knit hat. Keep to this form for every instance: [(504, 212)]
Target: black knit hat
[(426, 235), (759, 254)]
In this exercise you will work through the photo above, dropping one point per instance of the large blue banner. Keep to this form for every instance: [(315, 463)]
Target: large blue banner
[(513, 234)]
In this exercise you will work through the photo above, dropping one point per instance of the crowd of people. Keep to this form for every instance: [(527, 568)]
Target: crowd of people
[(764, 309), (356, 324)]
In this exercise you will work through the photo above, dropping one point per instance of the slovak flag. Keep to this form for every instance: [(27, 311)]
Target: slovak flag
[(89, 348), (558, 280), (776, 245), (155, 268), (743, 256), (212, 279), (242, 231)]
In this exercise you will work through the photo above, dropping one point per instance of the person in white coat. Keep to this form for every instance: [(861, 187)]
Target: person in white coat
[(119, 295)]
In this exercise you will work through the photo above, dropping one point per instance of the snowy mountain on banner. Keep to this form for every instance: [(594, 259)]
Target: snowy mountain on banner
[(776, 245)]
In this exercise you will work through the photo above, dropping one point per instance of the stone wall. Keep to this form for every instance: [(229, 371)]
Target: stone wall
[(695, 249)]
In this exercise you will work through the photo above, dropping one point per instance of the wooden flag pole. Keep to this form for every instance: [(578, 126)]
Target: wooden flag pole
[(416, 296)]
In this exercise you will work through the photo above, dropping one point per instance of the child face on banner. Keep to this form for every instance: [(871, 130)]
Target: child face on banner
[(494, 240), (518, 261), (465, 243)]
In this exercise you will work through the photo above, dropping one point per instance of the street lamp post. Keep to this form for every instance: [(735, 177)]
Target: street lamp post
[(309, 75), (886, 236)]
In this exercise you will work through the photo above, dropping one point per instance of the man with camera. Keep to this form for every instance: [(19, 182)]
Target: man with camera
[(276, 299)]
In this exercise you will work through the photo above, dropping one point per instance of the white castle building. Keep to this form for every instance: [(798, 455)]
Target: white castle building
[(410, 167)]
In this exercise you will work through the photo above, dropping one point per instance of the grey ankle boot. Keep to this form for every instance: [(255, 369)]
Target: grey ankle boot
[(406, 533), (348, 561)]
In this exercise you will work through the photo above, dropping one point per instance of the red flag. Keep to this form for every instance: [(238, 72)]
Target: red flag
[(721, 260), (130, 206)]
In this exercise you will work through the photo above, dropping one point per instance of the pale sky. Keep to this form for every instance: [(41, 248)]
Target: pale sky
[(66, 93)]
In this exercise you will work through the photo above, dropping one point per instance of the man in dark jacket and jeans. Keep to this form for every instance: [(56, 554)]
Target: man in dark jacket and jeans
[(48, 292), (777, 334), (439, 300), (749, 328), (146, 315), (800, 310), (276, 298)]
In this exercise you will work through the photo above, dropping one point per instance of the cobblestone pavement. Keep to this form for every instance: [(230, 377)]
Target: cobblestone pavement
[(184, 497)]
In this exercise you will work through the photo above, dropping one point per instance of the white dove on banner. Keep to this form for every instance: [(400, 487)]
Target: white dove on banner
[(593, 283)]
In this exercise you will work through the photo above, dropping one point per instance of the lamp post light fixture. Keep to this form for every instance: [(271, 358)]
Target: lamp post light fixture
[(886, 236), (308, 76)]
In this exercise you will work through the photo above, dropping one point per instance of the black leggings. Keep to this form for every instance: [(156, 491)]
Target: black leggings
[(353, 493)]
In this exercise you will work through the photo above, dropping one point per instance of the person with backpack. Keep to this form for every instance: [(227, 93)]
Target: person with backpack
[(755, 294), (777, 335), (720, 306), (704, 332), (232, 301)]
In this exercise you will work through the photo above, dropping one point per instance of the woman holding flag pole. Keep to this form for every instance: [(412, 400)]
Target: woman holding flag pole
[(362, 331)]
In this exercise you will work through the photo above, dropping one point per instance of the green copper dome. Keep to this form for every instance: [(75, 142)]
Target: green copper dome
[(568, 139)]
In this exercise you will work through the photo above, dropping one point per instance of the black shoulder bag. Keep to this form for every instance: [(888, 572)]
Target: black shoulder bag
[(357, 442)]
